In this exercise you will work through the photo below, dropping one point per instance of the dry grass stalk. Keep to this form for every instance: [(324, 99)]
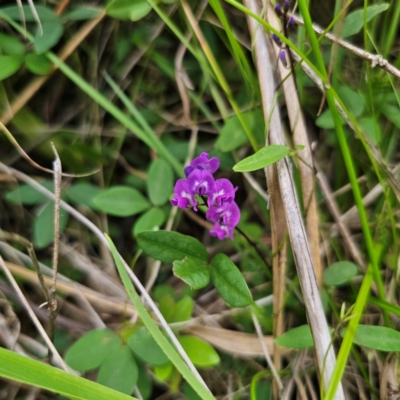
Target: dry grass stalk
[(325, 354)]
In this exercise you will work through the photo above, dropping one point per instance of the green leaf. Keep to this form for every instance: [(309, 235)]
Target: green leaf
[(11, 45), (52, 32), (232, 134), (296, 338), (170, 246), (91, 349), (43, 226), (82, 14), (229, 282), (377, 337), (340, 273), (264, 157), (9, 65), (119, 370), (146, 348), (201, 353), (352, 100), (28, 195), (128, 9), (192, 271), (83, 193), (160, 182), (183, 309), (163, 371), (16, 13), (355, 20), (38, 64), (35, 373), (151, 220), (121, 201), (155, 330)]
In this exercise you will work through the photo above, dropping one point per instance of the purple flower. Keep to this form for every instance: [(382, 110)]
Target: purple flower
[(224, 192), (201, 182), (225, 218), (183, 197), (202, 162), (276, 39), (282, 57)]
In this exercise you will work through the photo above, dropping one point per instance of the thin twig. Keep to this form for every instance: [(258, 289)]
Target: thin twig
[(33, 317)]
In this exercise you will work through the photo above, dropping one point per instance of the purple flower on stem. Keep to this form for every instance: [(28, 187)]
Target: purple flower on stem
[(202, 162), (291, 22), (201, 182), (224, 193), (225, 218), (276, 39), (183, 198), (278, 10), (282, 57)]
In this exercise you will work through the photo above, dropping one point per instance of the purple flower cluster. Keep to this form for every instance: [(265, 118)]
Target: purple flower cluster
[(222, 209)]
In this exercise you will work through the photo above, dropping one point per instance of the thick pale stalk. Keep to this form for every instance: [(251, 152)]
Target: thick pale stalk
[(301, 251)]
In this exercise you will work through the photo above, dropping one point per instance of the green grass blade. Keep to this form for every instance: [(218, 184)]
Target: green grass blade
[(155, 330), (31, 372)]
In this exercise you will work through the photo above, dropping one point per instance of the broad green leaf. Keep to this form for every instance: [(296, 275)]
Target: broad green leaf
[(296, 338), (52, 32), (355, 20), (192, 271), (264, 157), (183, 309), (82, 14), (119, 370), (167, 307), (25, 13), (89, 351), (146, 348), (339, 273), (155, 331), (9, 65), (229, 282), (170, 246), (144, 382), (121, 201), (35, 373), (232, 134), (11, 45), (83, 193), (392, 114), (38, 64), (352, 100), (160, 182), (133, 10), (151, 220), (163, 371), (27, 195), (43, 226), (201, 353), (369, 128), (377, 337)]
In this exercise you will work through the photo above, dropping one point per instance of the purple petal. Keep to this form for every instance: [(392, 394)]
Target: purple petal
[(201, 182), (282, 57), (220, 232), (182, 195), (203, 162), (224, 192), (225, 218)]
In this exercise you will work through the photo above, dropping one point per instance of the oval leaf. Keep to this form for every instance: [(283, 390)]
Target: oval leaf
[(119, 370), (43, 227), (377, 337), (38, 64), (201, 353), (183, 309), (83, 193), (28, 195), (52, 31), (355, 20), (339, 273), (296, 338), (82, 14), (91, 350), (121, 201), (128, 9), (146, 348), (9, 65), (160, 182), (229, 282), (151, 220), (170, 246), (11, 46), (192, 271), (264, 157), (25, 13)]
